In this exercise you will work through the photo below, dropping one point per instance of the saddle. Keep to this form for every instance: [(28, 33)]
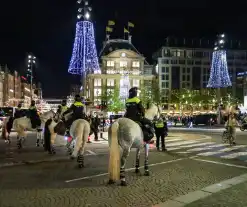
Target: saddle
[(147, 129), (35, 122)]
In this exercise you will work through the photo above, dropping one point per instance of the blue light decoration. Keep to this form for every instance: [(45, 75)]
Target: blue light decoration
[(219, 76), (84, 58)]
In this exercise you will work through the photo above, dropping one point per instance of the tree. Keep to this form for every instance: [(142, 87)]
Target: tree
[(115, 103), (156, 93)]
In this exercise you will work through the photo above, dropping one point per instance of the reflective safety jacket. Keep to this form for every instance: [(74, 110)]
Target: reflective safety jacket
[(63, 109), (159, 124), (78, 110), (134, 109)]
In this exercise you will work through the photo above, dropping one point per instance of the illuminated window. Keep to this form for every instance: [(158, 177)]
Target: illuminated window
[(123, 64), (97, 82), (110, 91), (136, 83), (110, 63), (136, 72), (97, 101), (110, 82), (135, 64), (97, 92), (110, 71)]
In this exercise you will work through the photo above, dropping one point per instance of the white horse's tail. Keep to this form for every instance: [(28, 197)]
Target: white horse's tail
[(114, 160)]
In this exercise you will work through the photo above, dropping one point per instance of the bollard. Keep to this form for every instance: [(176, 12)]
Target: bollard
[(101, 135)]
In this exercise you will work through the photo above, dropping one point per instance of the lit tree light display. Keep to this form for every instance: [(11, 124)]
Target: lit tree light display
[(84, 56), (219, 76)]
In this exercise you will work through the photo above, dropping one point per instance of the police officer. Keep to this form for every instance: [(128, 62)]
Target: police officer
[(160, 127), (78, 111), (18, 112), (62, 108), (135, 111), (134, 108), (33, 115)]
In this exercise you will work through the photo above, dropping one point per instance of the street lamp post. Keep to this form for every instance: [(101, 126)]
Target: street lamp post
[(31, 62)]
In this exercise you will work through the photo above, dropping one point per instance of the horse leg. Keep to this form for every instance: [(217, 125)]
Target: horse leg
[(80, 157), (52, 150), (125, 154), (146, 173), (38, 139), (20, 138), (138, 152)]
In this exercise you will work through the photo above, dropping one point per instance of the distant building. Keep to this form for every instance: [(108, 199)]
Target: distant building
[(122, 66), (15, 89), (189, 68)]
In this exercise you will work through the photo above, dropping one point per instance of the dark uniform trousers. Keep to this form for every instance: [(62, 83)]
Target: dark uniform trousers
[(160, 133)]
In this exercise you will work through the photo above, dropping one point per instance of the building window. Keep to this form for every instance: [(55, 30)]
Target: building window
[(97, 82), (110, 82), (165, 61), (136, 72), (110, 91), (110, 71), (97, 102), (110, 63), (97, 92), (164, 84), (165, 77), (174, 62), (135, 64), (136, 83), (165, 69), (123, 64)]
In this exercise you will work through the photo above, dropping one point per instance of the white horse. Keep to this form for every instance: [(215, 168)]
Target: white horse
[(79, 131), (23, 124), (127, 134)]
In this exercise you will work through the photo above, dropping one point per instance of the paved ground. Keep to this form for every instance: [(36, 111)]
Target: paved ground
[(181, 170)]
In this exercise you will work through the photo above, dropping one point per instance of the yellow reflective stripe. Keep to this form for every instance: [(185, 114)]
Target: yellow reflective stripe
[(133, 100), (159, 125), (79, 104)]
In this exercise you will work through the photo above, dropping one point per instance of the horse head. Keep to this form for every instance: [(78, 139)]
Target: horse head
[(153, 111), (47, 115)]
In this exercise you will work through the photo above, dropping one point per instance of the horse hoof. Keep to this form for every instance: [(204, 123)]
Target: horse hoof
[(37, 145), (137, 171), (110, 182), (146, 173), (123, 183), (72, 157)]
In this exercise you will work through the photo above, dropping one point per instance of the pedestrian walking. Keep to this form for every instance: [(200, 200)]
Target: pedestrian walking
[(160, 127)]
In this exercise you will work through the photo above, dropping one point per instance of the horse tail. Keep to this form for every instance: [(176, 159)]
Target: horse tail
[(114, 160), (47, 135)]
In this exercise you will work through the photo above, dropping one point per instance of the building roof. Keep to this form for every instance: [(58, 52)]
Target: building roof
[(117, 44)]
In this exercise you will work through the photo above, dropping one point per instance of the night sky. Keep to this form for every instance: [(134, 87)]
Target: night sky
[(47, 28)]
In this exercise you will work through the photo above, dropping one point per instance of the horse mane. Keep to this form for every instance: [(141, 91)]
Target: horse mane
[(149, 114)]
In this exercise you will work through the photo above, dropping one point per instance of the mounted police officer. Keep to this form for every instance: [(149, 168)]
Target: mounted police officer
[(33, 115), (78, 109), (18, 112), (136, 112), (61, 109)]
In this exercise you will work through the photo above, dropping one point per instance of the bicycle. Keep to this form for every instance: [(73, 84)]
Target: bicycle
[(227, 136)]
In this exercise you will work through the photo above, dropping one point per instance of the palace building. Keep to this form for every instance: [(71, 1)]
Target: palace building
[(122, 66)]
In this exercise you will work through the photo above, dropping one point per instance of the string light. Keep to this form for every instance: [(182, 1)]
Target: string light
[(84, 56), (219, 76), (124, 86)]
